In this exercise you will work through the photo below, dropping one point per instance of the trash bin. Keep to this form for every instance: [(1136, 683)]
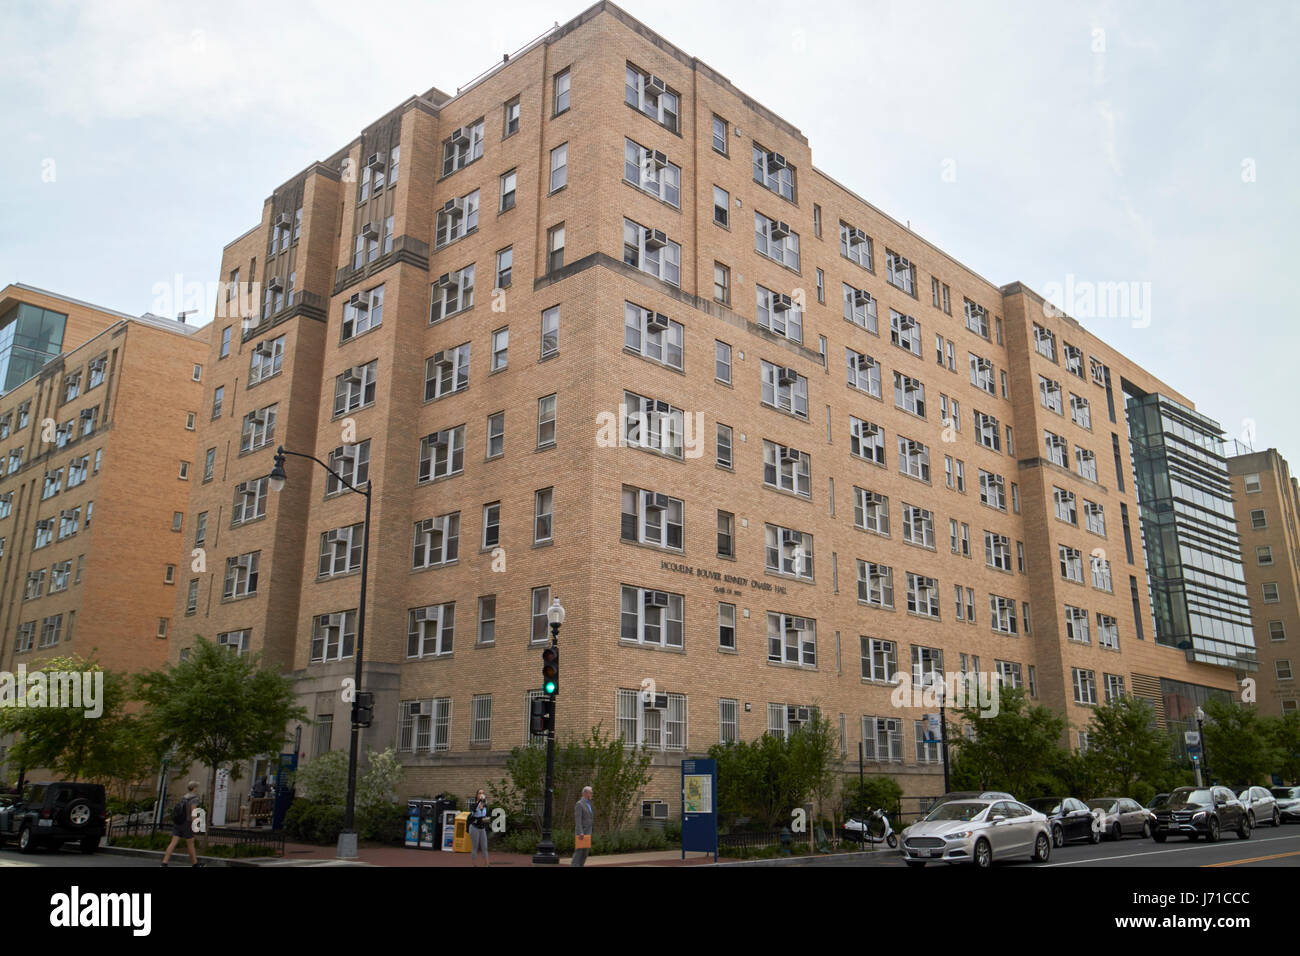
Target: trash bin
[(461, 843)]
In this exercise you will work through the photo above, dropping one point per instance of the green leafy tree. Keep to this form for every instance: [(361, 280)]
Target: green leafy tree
[(64, 739), (323, 781), (1239, 743), (219, 708), (1010, 751), (814, 759), (1286, 740), (1126, 742)]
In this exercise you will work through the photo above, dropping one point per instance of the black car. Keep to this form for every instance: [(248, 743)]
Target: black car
[(1194, 812), (1070, 819), (51, 814)]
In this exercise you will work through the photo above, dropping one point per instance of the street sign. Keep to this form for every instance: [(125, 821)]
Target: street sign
[(1192, 737)]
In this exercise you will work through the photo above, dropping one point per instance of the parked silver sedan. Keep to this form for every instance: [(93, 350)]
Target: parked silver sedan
[(1119, 817), (1262, 806), (977, 831)]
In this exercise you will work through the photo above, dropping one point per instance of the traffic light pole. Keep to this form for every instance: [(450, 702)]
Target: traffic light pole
[(546, 847)]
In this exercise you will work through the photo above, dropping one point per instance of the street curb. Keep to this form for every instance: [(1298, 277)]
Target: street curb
[(861, 856), (179, 857)]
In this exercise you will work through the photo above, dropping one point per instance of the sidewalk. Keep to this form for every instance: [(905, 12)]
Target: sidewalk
[(299, 853)]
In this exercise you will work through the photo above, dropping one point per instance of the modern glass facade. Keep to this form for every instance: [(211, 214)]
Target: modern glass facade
[(1194, 567), (29, 337)]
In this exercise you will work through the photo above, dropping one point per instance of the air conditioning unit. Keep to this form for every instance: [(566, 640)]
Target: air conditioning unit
[(787, 376), (656, 500), (426, 708), (257, 421), (360, 301), (661, 406), (370, 230), (426, 526), (861, 297), (449, 280), (656, 322), (660, 702), (275, 283), (352, 374), (376, 159), (282, 221), (780, 230), (345, 453), (656, 158), (864, 363), (803, 714), (655, 85), (454, 207), (799, 623), (245, 562), (656, 599), (775, 161), (655, 239), (460, 135), (438, 439), (791, 538), (421, 613), (439, 358), (790, 454), (781, 302)]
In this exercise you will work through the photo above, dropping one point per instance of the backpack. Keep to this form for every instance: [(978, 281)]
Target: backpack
[(179, 816)]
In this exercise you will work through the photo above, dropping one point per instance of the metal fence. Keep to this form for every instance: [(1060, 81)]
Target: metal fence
[(750, 839), (142, 825)]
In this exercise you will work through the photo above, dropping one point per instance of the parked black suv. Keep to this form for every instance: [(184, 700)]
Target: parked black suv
[(50, 814), (1201, 811)]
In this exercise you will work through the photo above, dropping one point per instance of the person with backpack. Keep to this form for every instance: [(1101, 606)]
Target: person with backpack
[(183, 824), (478, 829)]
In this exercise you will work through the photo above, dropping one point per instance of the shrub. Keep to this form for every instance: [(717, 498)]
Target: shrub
[(309, 822)]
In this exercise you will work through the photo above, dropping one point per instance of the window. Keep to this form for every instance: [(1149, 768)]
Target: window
[(561, 89), (882, 739), (1086, 462), (922, 595), (779, 313), (652, 518), (721, 207), (355, 387), (543, 515), (719, 134), (559, 167), (364, 311), (726, 534), (1049, 391), (1044, 342), (184, 474), (437, 541), (510, 119), (71, 385), (918, 525), (772, 171), (457, 218), (860, 308), (1073, 359), (1276, 631), (1270, 592), (977, 318), (480, 721), (452, 294), (727, 626), (1281, 667), (1258, 520), (653, 97), (724, 445), (927, 665), (487, 619), (997, 551), (866, 440), (1002, 614), (250, 501), (352, 463), (541, 601), (658, 723), (871, 511), (1107, 632), (218, 396), (879, 659), (1056, 446), (1076, 625), (784, 389), (787, 469), (1080, 412), (650, 617), (430, 631), (496, 428), (788, 551), (546, 422), (899, 272), (551, 332), (446, 372), (1071, 560), (505, 262), (425, 726), (192, 596), (197, 376), (1253, 486), (509, 184), (1085, 686), (258, 429), (981, 373), (776, 240), (651, 251), (340, 551), (463, 147), (913, 458), (442, 454), (1065, 509), (993, 490), (721, 284), (791, 640), (241, 575), (909, 394), (555, 248), (649, 170), (905, 332), (652, 424), (1263, 553)]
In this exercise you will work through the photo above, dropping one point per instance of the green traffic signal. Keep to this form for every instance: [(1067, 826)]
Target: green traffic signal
[(550, 670)]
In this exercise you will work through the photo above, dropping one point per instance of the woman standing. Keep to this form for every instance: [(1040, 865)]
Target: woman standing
[(478, 832)]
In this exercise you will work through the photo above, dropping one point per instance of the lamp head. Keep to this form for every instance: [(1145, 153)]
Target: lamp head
[(278, 476), (555, 613)]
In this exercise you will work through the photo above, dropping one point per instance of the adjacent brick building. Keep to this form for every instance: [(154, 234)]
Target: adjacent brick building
[(596, 329), (1268, 520)]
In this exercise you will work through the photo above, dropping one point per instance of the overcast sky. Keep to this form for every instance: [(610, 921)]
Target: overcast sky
[(1066, 145)]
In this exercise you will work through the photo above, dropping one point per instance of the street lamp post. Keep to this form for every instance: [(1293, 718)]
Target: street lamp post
[(1205, 751), (943, 735), (546, 847), (347, 846)]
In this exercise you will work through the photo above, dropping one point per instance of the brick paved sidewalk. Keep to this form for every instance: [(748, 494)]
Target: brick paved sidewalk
[(401, 856)]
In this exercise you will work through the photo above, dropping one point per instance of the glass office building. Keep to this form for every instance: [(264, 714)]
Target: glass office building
[(29, 338), (1198, 586)]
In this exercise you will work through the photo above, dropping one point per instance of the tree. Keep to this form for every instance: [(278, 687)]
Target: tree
[(1125, 740), (323, 781), (814, 759), (1286, 739), (1239, 745), (65, 739), (1010, 751), (218, 707)]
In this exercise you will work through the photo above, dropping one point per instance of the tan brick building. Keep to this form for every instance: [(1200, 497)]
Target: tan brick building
[(535, 317), (1268, 521), (94, 482)]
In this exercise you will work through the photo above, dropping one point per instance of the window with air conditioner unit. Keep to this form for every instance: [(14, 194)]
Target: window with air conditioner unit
[(905, 332), (653, 425), (1071, 561), (788, 551), (855, 245), (791, 639), (258, 429), (437, 541), (981, 374), (866, 440), (452, 294), (340, 551), (457, 218), (987, 431), (333, 636), (649, 170), (462, 147), (651, 251), (430, 630), (653, 335), (773, 171), (787, 469), (649, 616), (241, 575), (1080, 411), (785, 389), (977, 318), (442, 454), (651, 517), (652, 96), (250, 501), (776, 240), (446, 372), (909, 394), (922, 595), (918, 525), (352, 463), (863, 372), (355, 387), (1085, 463), (1049, 392), (779, 313), (860, 308), (1044, 342), (363, 312), (899, 272), (1056, 448), (1073, 359), (913, 458)]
